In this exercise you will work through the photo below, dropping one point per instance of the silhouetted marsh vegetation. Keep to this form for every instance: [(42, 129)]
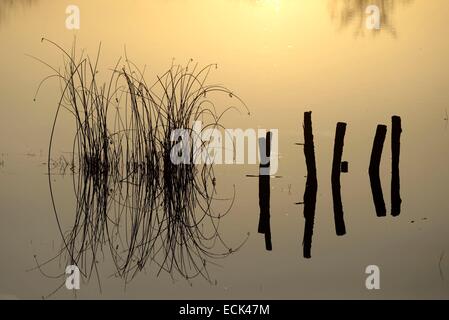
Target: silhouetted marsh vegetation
[(131, 199)]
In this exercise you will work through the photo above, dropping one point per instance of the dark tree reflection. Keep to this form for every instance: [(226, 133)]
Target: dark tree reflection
[(8, 6), (352, 13)]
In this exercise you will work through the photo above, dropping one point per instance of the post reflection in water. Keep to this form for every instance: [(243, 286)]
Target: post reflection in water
[(264, 190), (311, 185), (340, 227), (374, 167), (396, 130)]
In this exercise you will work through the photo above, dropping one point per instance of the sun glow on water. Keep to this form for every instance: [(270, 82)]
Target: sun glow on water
[(272, 4)]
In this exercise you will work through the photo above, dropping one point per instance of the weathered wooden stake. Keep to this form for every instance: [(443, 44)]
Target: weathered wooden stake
[(396, 131), (311, 185), (335, 179), (374, 167)]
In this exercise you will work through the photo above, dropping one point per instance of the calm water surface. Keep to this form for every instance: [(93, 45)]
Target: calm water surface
[(282, 58)]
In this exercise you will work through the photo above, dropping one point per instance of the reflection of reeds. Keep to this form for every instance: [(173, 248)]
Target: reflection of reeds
[(353, 12), (130, 197)]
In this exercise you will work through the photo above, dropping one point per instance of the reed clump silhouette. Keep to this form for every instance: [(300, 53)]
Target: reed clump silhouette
[(131, 198)]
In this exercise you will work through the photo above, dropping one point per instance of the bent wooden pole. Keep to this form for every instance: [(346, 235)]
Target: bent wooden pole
[(311, 185), (376, 155), (340, 228), (396, 131)]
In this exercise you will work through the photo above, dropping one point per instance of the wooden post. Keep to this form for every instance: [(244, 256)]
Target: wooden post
[(396, 131), (309, 147), (376, 155), (335, 178), (264, 190), (311, 185)]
